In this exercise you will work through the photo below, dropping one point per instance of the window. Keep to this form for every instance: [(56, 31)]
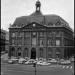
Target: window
[(20, 34), (49, 53), (26, 52), (34, 41), (41, 52), (13, 34), (41, 34), (58, 23), (57, 42), (33, 34), (50, 34), (57, 52), (12, 51), (19, 41), (27, 34), (13, 41), (27, 41), (58, 33), (50, 42), (41, 42)]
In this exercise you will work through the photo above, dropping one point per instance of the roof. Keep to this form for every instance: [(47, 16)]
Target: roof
[(38, 17)]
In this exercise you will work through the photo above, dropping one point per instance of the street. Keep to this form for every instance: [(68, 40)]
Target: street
[(21, 69)]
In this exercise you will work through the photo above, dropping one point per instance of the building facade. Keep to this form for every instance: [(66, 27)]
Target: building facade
[(4, 40), (40, 36), (3, 34), (7, 41)]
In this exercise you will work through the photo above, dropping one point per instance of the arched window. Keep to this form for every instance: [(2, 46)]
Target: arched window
[(12, 51), (19, 51), (41, 52), (49, 53), (26, 52), (58, 53), (41, 42)]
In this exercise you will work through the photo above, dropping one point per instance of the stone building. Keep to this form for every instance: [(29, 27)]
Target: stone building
[(2, 38), (7, 41), (40, 36)]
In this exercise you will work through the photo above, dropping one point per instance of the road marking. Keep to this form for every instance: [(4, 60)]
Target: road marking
[(71, 67)]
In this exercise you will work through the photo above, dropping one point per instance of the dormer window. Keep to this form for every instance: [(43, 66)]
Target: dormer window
[(58, 23)]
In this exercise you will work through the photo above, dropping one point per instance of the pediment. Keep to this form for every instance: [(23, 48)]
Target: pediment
[(33, 25)]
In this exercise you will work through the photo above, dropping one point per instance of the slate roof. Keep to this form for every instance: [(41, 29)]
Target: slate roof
[(38, 17)]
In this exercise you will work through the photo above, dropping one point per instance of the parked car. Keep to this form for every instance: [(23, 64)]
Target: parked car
[(40, 59), (26, 58), (65, 62), (45, 63), (39, 62), (10, 61), (53, 61), (15, 60), (49, 60), (30, 62), (72, 59), (61, 60), (21, 60)]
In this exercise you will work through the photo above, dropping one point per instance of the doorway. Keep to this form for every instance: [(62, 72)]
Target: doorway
[(19, 52), (33, 53)]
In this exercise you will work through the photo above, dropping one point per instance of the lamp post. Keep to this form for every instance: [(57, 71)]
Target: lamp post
[(34, 65)]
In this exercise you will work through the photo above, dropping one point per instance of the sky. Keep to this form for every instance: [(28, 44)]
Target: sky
[(11, 9)]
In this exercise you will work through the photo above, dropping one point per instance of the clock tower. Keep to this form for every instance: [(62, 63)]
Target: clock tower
[(38, 5)]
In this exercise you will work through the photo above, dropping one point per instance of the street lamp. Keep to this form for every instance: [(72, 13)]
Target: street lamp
[(34, 65)]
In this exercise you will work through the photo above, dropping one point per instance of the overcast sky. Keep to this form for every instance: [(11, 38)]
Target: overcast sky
[(10, 9)]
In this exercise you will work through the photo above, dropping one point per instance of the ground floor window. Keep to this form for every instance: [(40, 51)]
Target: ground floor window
[(19, 51), (26, 52), (41, 52), (12, 51), (19, 54), (49, 53), (33, 53), (57, 53)]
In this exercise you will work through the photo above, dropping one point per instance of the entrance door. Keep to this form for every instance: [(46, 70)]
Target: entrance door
[(19, 52), (33, 53)]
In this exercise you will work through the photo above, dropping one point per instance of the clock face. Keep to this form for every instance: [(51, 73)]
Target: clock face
[(34, 25)]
